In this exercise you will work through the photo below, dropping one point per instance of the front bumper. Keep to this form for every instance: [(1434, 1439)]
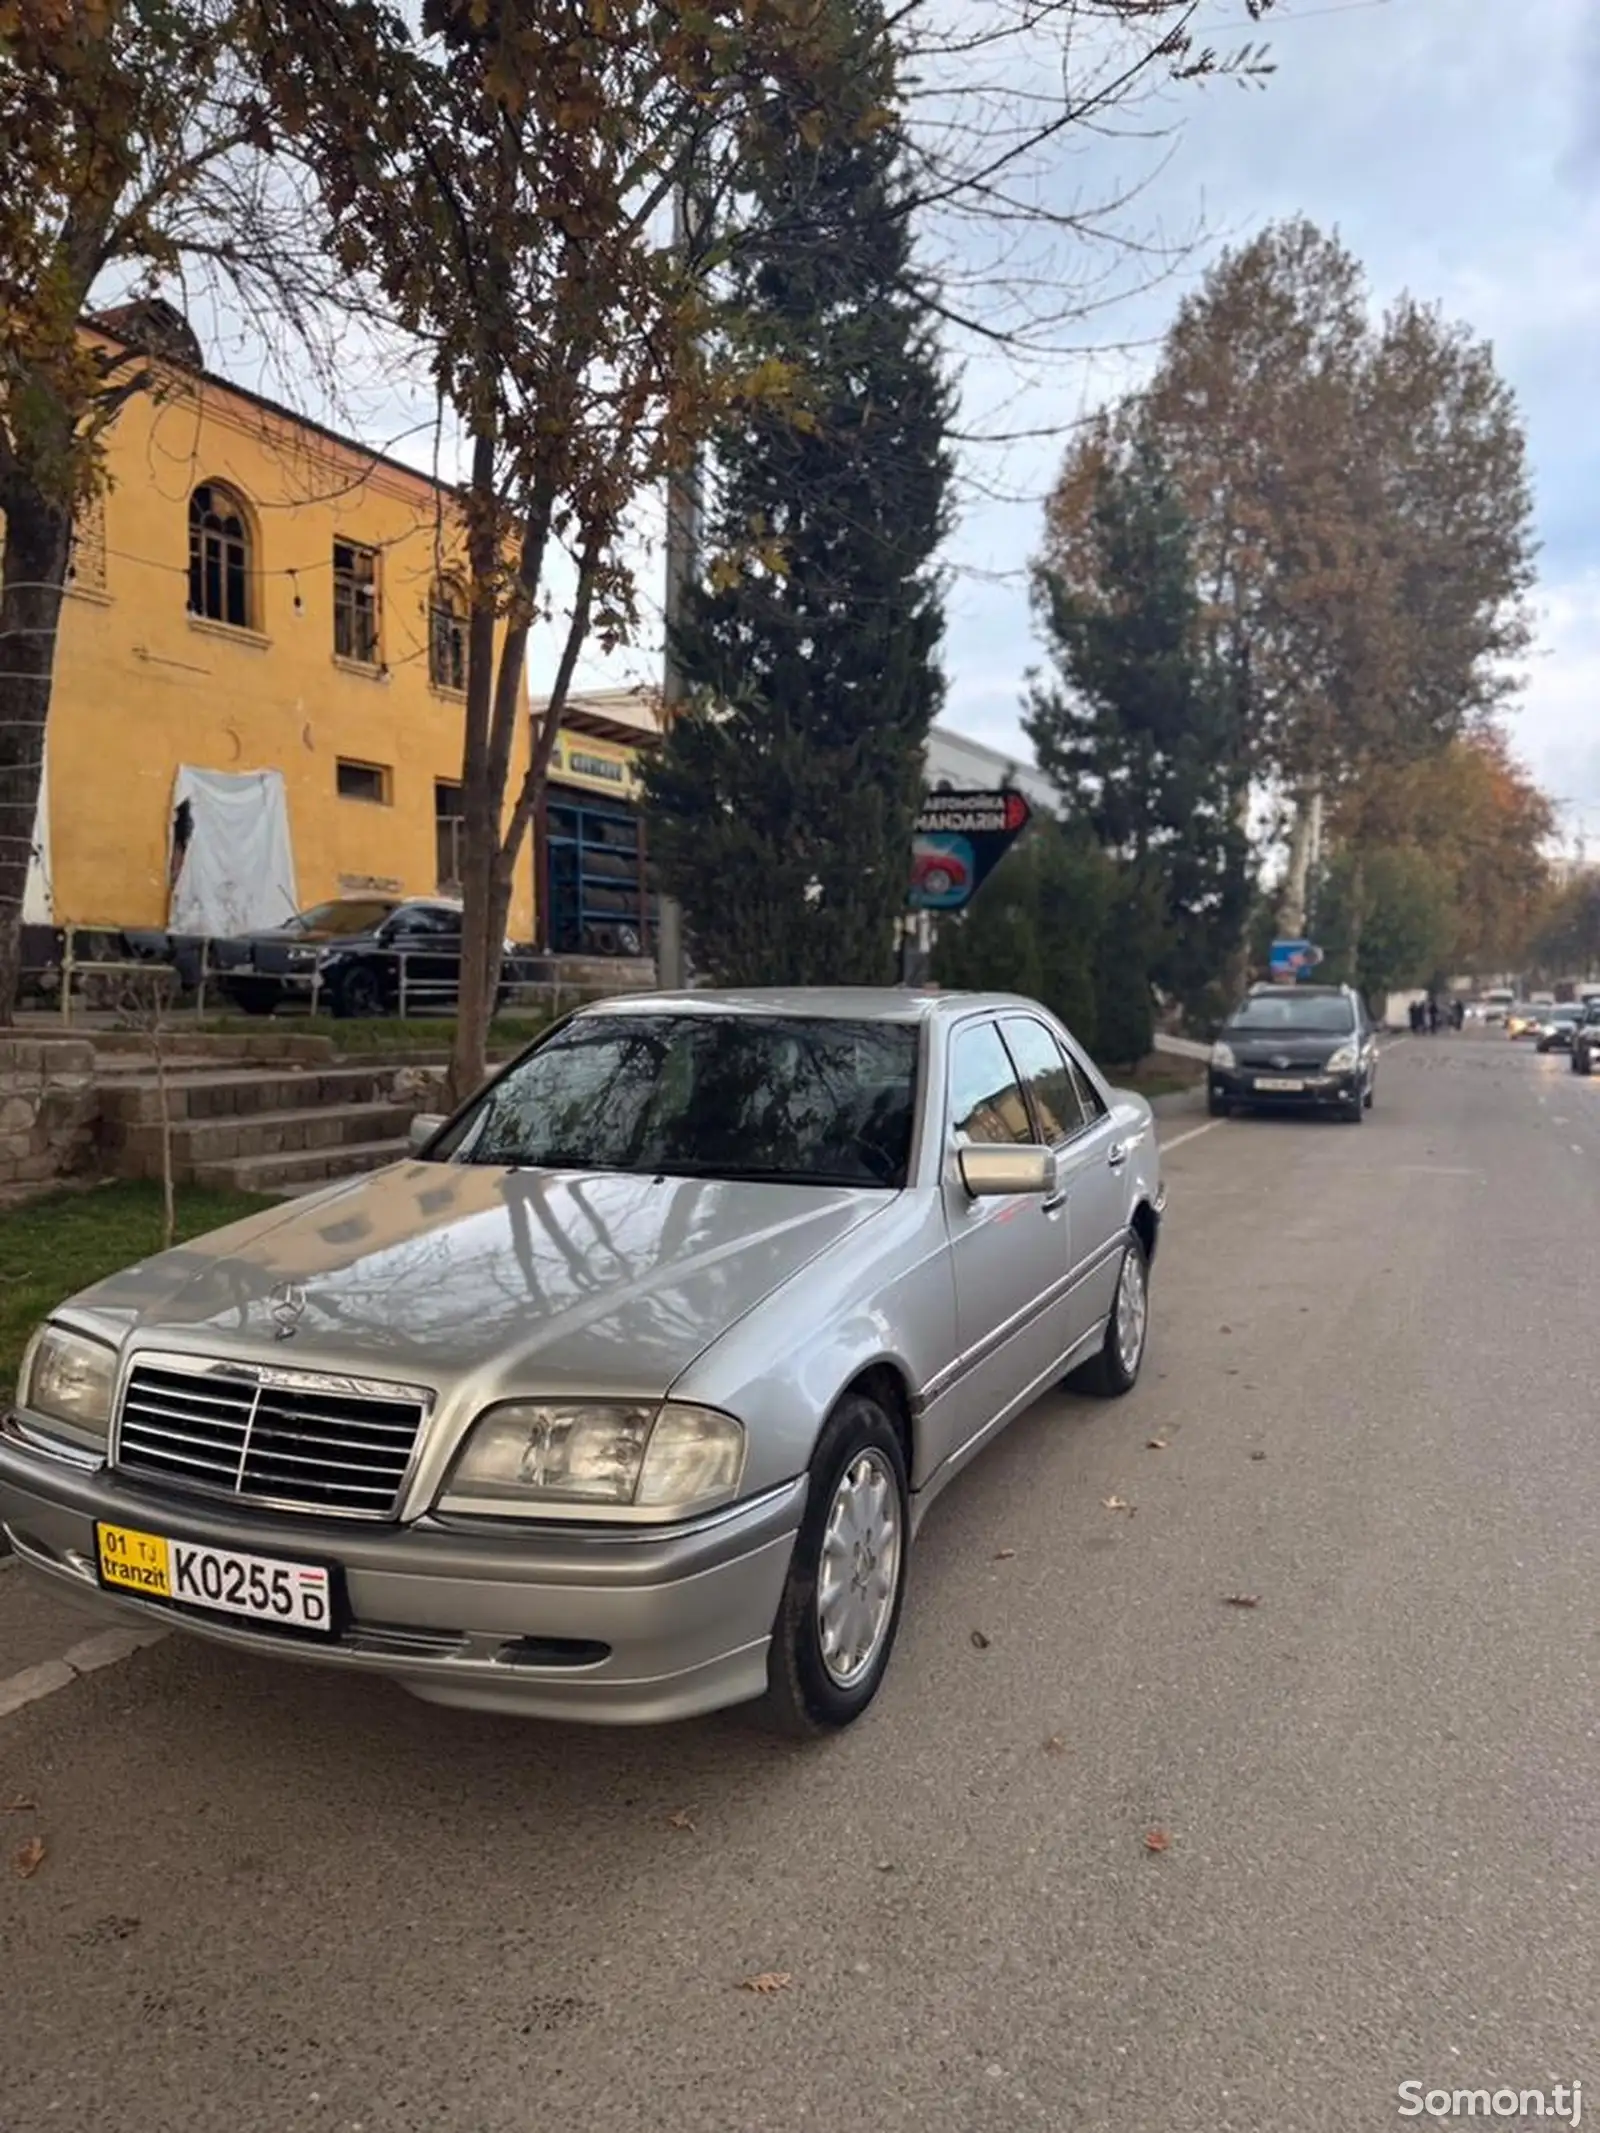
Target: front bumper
[(659, 1625), (1242, 1085)]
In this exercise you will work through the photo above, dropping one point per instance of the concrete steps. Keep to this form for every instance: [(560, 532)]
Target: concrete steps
[(303, 1172), (257, 1130)]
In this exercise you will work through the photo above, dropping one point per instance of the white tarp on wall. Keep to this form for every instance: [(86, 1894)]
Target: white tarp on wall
[(231, 865), (38, 904)]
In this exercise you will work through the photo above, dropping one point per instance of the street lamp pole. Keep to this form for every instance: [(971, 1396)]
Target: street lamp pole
[(683, 557)]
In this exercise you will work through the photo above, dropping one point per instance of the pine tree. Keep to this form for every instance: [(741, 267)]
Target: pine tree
[(782, 804), (1135, 727)]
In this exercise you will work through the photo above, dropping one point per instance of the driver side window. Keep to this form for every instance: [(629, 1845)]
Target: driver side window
[(987, 1108)]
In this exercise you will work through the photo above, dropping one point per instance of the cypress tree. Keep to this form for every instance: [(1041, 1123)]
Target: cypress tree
[(782, 804)]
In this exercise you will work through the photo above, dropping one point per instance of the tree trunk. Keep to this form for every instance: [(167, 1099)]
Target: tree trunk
[(1304, 835), (38, 534)]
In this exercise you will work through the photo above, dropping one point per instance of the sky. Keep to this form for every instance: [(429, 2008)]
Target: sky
[(1455, 147)]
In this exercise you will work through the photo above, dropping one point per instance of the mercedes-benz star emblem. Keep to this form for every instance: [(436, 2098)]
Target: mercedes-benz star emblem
[(288, 1303)]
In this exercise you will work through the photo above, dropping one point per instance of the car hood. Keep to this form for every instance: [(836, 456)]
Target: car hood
[(433, 1272)]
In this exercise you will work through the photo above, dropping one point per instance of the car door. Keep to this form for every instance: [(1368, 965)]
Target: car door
[(1010, 1255), (427, 959), (1093, 1171)]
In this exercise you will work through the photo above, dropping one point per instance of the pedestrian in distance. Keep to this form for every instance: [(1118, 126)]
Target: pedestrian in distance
[(1433, 1016)]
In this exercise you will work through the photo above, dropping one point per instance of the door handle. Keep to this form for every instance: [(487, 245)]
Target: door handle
[(1054, 1200), (1116, 1155)]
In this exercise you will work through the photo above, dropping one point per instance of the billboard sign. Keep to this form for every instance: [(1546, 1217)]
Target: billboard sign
[(961, 837)]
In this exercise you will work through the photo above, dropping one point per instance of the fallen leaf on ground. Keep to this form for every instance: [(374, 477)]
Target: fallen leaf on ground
[(1004, 1555), (885, 1866), (1241, 1599), (1115, 1503), (28, 1858), (1157, 1840), (21, 1805), (768, 1982), (680, 1818), (980, 1641), (1224, 1329), (1155, 1444), (1055, 1745), (1258, 1455)]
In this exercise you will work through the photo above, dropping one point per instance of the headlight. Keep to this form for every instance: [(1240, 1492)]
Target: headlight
[(533, 1455), (1222, 1056), (1341, 1061), (66, 1378)]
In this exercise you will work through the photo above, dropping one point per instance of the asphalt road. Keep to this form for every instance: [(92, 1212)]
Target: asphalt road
[(277, 1903)]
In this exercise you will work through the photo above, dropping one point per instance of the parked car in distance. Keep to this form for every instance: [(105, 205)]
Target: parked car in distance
[(1496, 1003), (1586, 1040), (358, 955), (1555, 1030), (1302, 1047), (624, 1399)]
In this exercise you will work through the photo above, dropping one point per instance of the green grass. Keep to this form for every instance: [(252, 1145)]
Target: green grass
[(361, 1037), (52, 1247)]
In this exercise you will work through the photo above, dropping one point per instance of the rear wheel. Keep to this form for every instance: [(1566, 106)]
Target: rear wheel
[(840, 1609), (1115, 1370)]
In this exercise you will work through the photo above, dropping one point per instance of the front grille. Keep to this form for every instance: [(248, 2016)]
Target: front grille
[(270, 1436)]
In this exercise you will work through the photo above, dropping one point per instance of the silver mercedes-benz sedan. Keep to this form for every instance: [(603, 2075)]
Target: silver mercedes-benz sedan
[(624, 1399)]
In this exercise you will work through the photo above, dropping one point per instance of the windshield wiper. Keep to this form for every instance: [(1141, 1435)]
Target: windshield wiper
[(722, 1174)]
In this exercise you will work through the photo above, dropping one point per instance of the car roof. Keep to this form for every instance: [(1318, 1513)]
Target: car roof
[(841, 1003)]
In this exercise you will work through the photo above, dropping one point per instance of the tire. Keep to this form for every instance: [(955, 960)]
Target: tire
[(1372, 1090), (808, 1693), (256, 999), (1588, 1064), (357, 995), (1354, 1111), (1111, 1373), (1218, 1106)]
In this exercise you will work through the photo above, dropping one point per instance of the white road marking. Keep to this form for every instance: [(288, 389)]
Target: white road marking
[(1193, 1134), (108, 1648)]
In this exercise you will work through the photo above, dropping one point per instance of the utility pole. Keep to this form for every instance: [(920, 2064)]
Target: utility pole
[(683, 558)]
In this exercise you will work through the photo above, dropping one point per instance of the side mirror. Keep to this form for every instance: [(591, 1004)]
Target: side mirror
[(993, 1173), (422, 1129)]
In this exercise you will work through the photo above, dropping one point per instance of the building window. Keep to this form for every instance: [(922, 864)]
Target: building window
[(447, 638), (219, 557), (449, 829), (86, 558), (355, 603), (365, 781)]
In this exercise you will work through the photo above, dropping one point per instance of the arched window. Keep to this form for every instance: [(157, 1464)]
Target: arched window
[(219, 557), (447, 637)]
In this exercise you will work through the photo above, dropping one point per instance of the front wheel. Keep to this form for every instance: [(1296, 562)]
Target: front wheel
[(357, 994), (1355, 1109), (1218, 1106), (1115, 1370), (840, 1609)]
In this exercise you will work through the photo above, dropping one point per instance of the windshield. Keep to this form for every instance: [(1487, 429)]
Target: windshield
[(780, 1099), (1319, 1012), (341, 917)]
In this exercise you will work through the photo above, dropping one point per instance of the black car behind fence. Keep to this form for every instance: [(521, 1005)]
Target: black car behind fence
[(98, 968)]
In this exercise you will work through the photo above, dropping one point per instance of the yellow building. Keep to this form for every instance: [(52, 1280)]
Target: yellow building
[(255, 595)]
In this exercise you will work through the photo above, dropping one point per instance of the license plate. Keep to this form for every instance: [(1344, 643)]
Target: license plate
[(221, 1580), (1278, 1085)]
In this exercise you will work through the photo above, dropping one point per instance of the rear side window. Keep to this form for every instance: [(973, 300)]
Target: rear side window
[(987, 1108), (1046, 1073)]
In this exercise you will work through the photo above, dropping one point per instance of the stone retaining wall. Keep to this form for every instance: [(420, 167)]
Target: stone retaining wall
[(48, 1109)]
